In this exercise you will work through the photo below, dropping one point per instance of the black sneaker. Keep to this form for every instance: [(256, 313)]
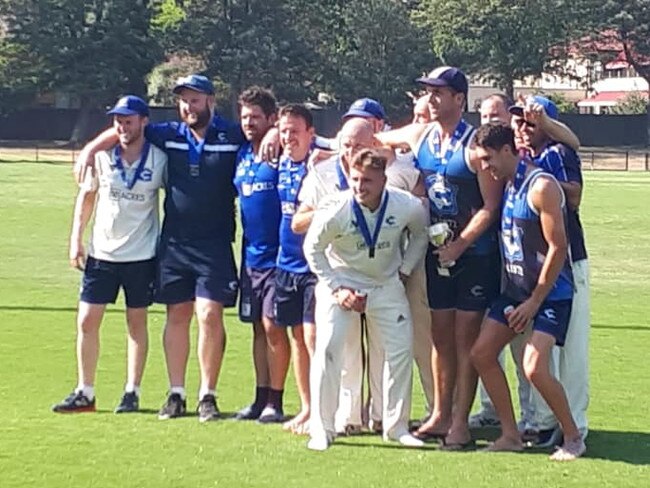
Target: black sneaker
[(76, 402), (129, 403), (174, 407), (207, 409), (251, 412)]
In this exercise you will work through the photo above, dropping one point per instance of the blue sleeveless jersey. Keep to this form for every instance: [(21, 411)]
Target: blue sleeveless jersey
[(452, 186), (291, 256), (524, 248), (259, 202)]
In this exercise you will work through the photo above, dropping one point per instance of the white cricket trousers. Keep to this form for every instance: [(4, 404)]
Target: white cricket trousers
[(389, 322), (416, 292), (570, 363)]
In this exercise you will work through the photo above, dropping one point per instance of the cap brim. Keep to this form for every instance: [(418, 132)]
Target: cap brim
[(360, 113), (517, 110), (124, 111), (178, 88), (432, 81)]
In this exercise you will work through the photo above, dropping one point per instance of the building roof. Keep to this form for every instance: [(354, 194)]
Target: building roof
[(607, 99)]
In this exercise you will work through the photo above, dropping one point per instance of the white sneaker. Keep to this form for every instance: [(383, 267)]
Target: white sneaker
[(407, 440), (320, 442)]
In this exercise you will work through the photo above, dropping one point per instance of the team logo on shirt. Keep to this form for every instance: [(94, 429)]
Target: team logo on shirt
[(442, 195), (511, 239)]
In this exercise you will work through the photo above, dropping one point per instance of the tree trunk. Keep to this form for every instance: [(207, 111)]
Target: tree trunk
[(509, 88), (80, 131)]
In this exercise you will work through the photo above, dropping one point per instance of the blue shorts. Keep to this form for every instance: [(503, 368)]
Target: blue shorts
[(295, 301), (472, 285), (257, 296), (552, 318), (202, 269), (102, 280)]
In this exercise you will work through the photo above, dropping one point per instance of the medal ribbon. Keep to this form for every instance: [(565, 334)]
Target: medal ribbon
[(117, 156), (371, 241)]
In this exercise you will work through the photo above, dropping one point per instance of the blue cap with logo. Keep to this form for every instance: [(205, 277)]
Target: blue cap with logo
[(549, 107), (130, 105), (194, 82), (446, 76), (366, 107)]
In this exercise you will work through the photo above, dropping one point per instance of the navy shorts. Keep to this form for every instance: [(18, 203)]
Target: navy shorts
[(552, 318), (474, 282), (204, 269), (295, 301), (102, 280), (257, 294)]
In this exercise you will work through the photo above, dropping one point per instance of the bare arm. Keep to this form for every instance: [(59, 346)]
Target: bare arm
[(546, 197), (302, 219), (492, 193), (409, 134), (86, 158), (573, 192), (560, 132), (83, 210)]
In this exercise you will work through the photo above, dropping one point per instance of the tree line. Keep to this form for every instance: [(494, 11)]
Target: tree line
[(331, 51)]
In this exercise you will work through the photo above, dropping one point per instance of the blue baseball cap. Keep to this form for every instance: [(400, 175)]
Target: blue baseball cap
[(366, 107), (549, 107), (446, 76), (197, 83), (130, 105)]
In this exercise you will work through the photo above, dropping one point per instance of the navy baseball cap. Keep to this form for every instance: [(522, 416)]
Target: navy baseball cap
[(366, 107), (549, 107), (446, 76), (197, 83), (130, 105)]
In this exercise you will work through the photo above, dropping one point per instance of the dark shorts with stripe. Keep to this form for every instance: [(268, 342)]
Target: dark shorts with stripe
[(552, 317), (257, 296), (204, 269), (102, 281), (472, 285), (295, 301)]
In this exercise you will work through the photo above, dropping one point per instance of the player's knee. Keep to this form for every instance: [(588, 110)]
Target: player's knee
[(209, 319), (535, 369), (482, 356), (276, 336)]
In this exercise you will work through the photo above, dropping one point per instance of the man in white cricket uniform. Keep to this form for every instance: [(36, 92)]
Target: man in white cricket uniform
[(123, 192), (354, 247)]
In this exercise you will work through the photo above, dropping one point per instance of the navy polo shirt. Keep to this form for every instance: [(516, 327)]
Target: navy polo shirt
[(199, 206)]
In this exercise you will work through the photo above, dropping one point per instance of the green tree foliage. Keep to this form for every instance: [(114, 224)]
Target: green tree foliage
[(634, 103), (94, 50), (498, 40)]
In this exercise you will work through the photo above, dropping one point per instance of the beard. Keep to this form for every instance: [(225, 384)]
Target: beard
[(202, 118)]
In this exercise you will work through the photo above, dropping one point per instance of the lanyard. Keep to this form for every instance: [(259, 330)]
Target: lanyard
[(343, 181), (196, 149), (456, 137), (129, 183), (509, 205), (293, 174), (371, 241)]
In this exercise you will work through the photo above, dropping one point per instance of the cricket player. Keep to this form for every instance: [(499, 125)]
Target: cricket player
[(537, 291), (354, 247), (123, 193)]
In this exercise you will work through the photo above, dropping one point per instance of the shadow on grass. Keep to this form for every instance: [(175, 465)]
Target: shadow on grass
[(645, 328), (230, 312)]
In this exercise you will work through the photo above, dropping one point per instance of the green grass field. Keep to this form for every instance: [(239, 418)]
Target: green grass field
[(38, 294)]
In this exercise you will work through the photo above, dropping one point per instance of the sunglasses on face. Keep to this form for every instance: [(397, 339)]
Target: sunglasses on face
[(521, 122)]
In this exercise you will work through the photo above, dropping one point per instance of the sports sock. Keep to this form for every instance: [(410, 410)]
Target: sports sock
[(178, 389), (87, 390), (206, 391), (275, 398), (261, 396), (132, 388)]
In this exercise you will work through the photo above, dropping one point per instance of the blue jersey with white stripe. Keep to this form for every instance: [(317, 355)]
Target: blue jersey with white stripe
[(201, 206), (291, 256), (564, 163), (259, 202), (524, 247), (452, 186)]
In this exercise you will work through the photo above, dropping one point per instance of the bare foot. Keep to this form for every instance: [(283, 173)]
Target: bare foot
[(433, 427), (570, 450), (457, 440), (299, 424), (505, 444)]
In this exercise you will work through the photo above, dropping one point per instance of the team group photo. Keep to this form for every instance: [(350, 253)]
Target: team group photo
[(412, 279)]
